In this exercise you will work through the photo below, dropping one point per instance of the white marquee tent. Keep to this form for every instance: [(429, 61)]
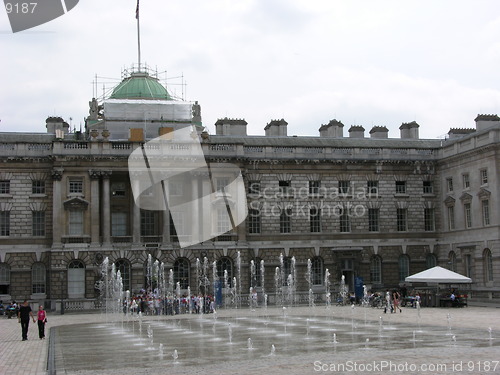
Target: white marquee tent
[(438, 275)]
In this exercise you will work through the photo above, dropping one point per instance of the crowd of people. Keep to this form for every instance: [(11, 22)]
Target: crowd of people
[(11, 309), (152, 304), (392, 300)]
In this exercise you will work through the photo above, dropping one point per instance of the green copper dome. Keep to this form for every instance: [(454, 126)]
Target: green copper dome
[(140, 85)]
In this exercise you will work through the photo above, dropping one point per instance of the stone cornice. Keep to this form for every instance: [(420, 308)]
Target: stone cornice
[(466, 155)]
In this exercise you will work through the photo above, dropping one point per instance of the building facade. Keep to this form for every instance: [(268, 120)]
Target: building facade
[(373, 207)]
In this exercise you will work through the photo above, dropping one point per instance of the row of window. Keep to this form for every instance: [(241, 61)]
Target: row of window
[(37, 187), (37, 223), (343, 187), (315, 220), (468, 217), (483, 180), (468, 264), (225, 268), (150, 221), (75, 186)]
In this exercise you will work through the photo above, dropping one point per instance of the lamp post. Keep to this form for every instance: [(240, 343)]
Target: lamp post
[(61, 276)]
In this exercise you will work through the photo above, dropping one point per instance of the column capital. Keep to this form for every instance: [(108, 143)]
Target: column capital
[(57, 174), (94, 174), (106, 174)]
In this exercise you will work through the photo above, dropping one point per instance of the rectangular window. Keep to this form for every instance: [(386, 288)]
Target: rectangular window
[(429, 219), (401, 220), (486, 212), (223, 223), (38, 278), (253, 221), (149, 223), (484, 176), (118, 189), (315, 220), (285, 220), (38, 223), (400, 187), (37, 187), (451, 217), (284, 186), (345, 222), (254, 187), (177, 225), (373, 219), (376, 270), (314, 187), (222, 184), (466, 181), (344, 187), (76, 186), (468, 265), (75, 223), (449, 184), (118, 224), (404, 267), (468, 215), (427, 187), (175, 188), (317, 271), (4, 278), (4, 187), (4, 223), (372, 187)]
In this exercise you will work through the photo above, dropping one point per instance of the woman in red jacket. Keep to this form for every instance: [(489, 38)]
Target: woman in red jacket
[(42, 319)]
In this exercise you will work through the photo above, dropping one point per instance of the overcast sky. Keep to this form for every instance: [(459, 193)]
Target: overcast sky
[(368, 63)]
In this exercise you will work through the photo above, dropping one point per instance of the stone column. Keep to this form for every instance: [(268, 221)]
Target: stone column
[(242, 228), (195, 214), (106, 208), (206, 229), (94, 207), (57, 209), (136, 217), (166, 217)]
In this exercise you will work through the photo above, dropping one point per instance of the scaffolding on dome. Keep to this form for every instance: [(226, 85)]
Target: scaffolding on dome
[(106, 84)]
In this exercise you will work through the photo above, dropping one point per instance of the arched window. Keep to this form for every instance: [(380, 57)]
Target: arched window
[(452, 261), (256, 274), (317, 271), (4, 278), (404, 267), (38, 274), (123, 265), (225, 264), (376, 270), (151, 274), (76, 279), (488, 265), (287, 269), (430, 261), (181, 272), (259, 271)]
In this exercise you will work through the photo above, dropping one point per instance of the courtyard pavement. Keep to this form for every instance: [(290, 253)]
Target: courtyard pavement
[(30, 357)]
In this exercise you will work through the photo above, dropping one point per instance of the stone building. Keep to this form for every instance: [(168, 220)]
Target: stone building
[(369, 207)]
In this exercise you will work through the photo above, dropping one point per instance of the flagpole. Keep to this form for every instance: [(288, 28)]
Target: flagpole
[(138, 36)]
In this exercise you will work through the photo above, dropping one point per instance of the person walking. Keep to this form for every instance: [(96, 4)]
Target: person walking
[(395, 300), (24, 315), (42, 319)]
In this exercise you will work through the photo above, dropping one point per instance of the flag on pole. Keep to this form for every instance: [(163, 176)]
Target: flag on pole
[(137, 11)]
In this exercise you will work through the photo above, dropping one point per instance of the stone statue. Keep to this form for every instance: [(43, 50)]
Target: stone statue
[(93, 109), (196, 112)]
